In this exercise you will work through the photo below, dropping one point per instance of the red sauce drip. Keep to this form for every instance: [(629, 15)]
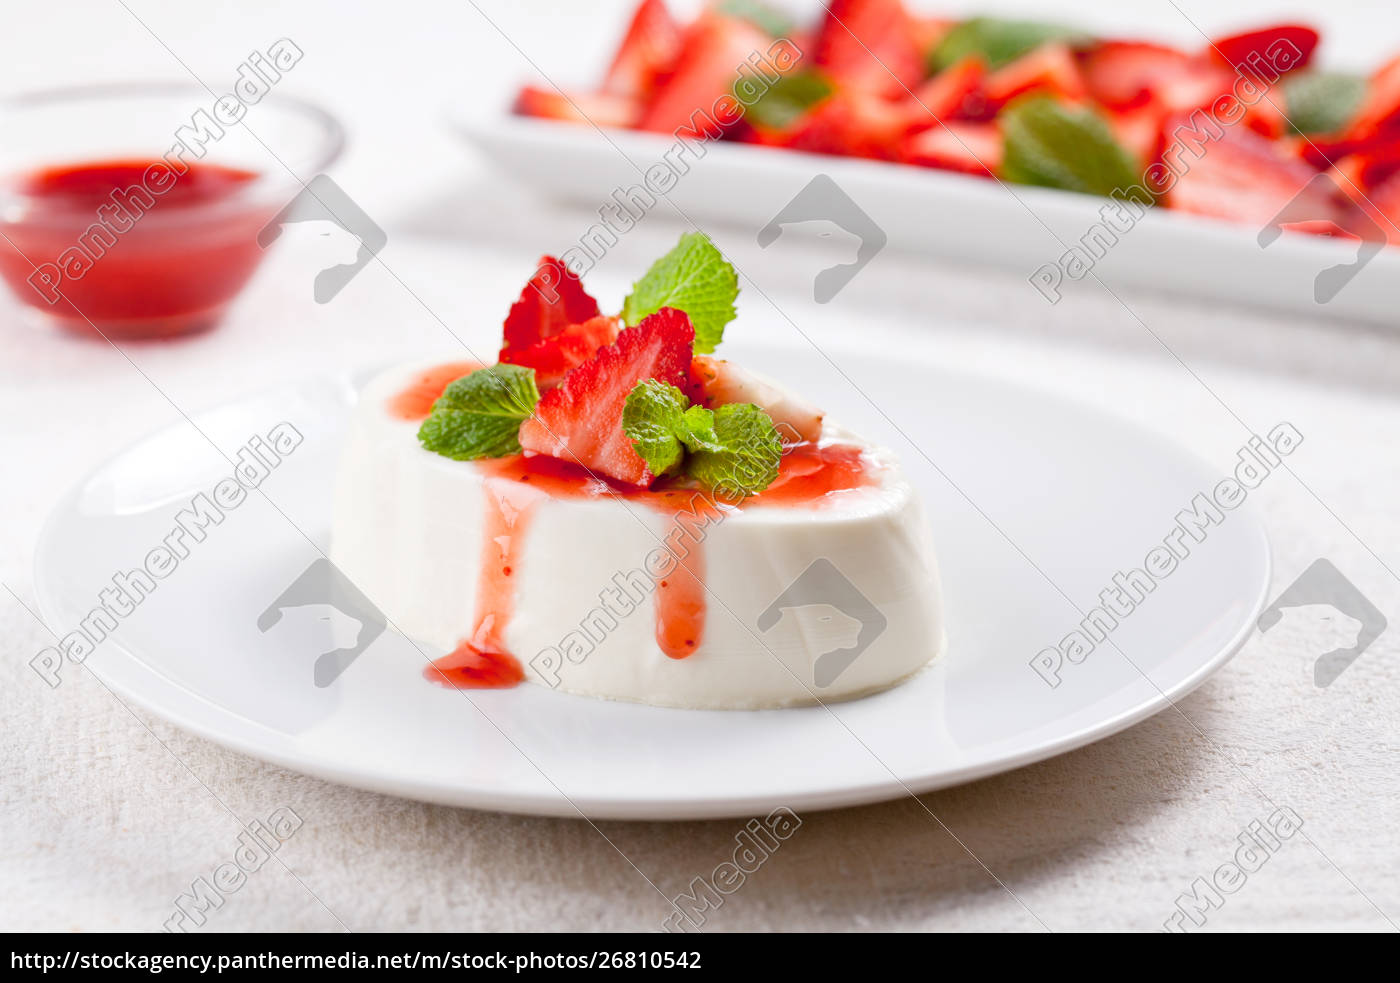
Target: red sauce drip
[(133, 246), (807, 475), (467, 668), (680, 596), (482, 661), (416, 401)]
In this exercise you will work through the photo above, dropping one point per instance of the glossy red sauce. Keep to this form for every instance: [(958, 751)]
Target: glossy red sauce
[(467, 667), (416, 401), (90, 185), (133, 246), (516, 485)]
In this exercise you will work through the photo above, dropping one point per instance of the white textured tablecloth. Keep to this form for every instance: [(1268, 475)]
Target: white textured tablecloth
[(107, 814)]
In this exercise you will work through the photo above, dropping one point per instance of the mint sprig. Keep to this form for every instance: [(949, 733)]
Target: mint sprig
[(746, 459), (479, 415), (693, 277), (662, 424), (733, 450)]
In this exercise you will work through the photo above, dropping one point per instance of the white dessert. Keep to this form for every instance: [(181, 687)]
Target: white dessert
[(410, 529)]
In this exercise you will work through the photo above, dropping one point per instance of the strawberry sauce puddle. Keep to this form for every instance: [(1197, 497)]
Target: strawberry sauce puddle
[(515, 486)]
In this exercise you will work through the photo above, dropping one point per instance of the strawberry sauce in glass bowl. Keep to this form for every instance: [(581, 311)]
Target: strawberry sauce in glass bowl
[(133, 211)]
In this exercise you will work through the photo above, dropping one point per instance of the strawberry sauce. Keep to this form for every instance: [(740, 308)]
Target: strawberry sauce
[(134, 248), (482, 662), (516, 485), (416, 402)]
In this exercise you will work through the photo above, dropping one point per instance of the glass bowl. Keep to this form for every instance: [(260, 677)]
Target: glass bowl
[(133, 210)]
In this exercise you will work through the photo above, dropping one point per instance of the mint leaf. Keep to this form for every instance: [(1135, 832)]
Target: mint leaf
[(661, 424), (479, 415), (693, 277), (1321, 102), (745, 458), (698, 430), (787, 99), (1057, 146), (652, 418), (997, 41)]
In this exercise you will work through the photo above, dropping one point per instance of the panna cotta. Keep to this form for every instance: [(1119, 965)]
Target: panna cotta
[(601, 516)]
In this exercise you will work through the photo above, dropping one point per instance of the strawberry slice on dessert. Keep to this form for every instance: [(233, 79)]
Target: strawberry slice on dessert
[(552, 301), (580, 420), (647, 51), (553, 358)]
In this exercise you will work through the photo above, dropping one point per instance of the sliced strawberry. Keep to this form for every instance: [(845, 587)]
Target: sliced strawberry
[(1271, 52), (1320, 227), (1124, 74), (1243, 177), (580, 420), (1050, 68), (928, 31), (1139, 130), (1201, 84), (869, 43), (597, 108), (1196, 85), (1322, 152), (969, 148), (1379, 209), (701, 87), (1380, 109), (715, 382), (647, 52), (1376, 167), (945, 95), (553, 358), (1370, 192), (552, 300), (1348, 172), (854, 123)]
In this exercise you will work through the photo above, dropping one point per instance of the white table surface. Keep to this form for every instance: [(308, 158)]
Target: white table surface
[(107, 815)]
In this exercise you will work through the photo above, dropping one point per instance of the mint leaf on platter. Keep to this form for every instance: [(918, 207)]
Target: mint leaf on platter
[(1057, 146), (998, 41), (1321, 102), (769, 19), (784, 102)]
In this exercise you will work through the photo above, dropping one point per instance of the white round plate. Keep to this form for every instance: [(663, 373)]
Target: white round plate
[(1035, 505)]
